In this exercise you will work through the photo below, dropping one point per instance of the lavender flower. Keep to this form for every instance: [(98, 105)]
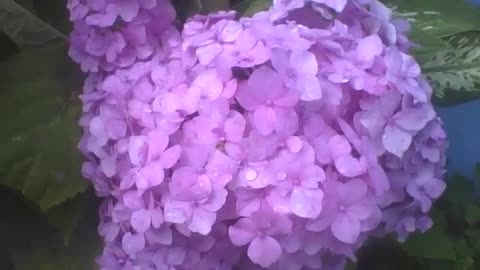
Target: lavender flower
[(280, 141)]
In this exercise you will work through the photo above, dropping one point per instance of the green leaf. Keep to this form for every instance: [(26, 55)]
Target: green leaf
[(39, 156), (459, 192), (207, 6), (455, 69), (472, 216), (435, 18), (446, 32), (462, 249), (28, 242), (250, 7), (434, 244), (66, 216), (473, 239), (25, 28)]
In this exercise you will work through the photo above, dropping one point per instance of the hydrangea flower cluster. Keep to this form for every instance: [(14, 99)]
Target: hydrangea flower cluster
[(281, 141), (112, 34)]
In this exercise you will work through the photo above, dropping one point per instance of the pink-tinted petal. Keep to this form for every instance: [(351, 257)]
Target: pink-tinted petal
[(210, 84), (349, 166), (176, 255), (242, 232), (414, 119), (264, 119), (360, 211), (157, 143), (247, 207), (216, 200), (396, 140), (319, 224), (352, 191), (177, 212), (156, 216), (235, 127), (339, 146), (305, 62), (171, 156), (264, 251), (280, 60), (140, 220), (133, 199), (265, 84), (136, 149), (369, 47), (312, 175), (337, 5), (127, 9), (278, 202), (162, 236), (346, 229), (150, 176), (306, 203), (132, 243), (187, 185), (148, 4), (202, 221), (435, 188), (207, 53), (310, 88)]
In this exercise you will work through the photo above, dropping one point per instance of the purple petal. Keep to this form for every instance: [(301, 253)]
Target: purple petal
[(171, 156), (310, 89), (264, 119), (264, 250), (133, 243), (369, 47), (127, 9), (396, 140), (306, 203), (242, 232), (216, 201), (235, 127), (162, 236), (140, 220), (177, 212), (150, 176), (352, 191), (157, 143), (349, 166), (202, 221), (346, 228)]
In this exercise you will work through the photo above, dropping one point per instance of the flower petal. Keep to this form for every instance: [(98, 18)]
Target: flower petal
[(264, 250), (346, 229), (306, 203), (202, 221), (264, 119), (396, 140), (140, 220), (242, 232)]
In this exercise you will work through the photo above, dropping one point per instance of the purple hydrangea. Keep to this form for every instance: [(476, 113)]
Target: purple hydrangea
[(279, 141)]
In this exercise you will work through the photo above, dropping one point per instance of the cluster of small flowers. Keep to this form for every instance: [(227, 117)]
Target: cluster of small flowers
[(281, 141), (111, 34)]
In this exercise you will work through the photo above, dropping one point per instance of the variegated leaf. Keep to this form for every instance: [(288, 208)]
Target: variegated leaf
[(457, 66)]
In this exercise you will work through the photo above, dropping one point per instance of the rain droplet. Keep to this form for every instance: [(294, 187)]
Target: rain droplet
[(281, 175), (251, 174)]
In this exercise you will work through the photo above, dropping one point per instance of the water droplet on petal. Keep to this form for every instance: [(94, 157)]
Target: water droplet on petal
[(251, 174), (281, 175)]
